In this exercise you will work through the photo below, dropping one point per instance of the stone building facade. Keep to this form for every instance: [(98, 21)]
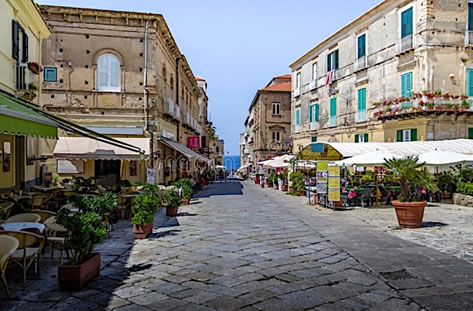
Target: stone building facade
[(396, 73), (268, 126), (122, 74)]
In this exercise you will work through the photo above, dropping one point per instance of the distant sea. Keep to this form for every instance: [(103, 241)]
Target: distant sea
[(231, 162)]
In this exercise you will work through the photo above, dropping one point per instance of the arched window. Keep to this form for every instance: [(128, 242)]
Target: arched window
[(108, 73)]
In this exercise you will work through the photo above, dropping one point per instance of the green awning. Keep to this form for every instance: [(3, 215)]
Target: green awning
[(17, 119)]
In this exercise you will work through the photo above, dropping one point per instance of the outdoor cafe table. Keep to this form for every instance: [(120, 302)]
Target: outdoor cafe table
[(23, 226), (44, 189)]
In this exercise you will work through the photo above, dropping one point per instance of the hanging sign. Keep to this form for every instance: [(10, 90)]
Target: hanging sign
[(150, 176)]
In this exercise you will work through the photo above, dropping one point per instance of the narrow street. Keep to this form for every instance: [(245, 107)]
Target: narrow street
[(238, 246)]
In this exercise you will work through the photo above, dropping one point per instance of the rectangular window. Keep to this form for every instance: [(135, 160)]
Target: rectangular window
[(361, 138), (469, 82), (407, 135), (298, 80), (276, 108), (298, 117), (361, 46), (362, 105), (406, 84), (470, 16), (50, 74), (333, 112), (332, 61), (314, 72), (406, 23), (470, 133), (314, 139), (277, 136)]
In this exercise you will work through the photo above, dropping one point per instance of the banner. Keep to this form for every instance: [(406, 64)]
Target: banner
[(193, 142)]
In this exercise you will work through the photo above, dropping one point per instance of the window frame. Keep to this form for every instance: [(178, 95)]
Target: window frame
[(333, 100), (109, 88), (278, 112), (401, 12), (468, 82), (332, 62), (358, 104), (358, 45), (298, 80), (314, 72), (46, 69), (276, 136), (469, 22)]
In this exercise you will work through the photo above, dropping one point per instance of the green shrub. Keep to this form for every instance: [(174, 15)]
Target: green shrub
[(297, 179), (145, 206), (172, 198), (186, 184), (465, 188)]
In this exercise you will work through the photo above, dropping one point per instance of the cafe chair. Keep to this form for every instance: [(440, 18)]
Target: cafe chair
[(37, 201), (25, 217), (28, 251), (8, 246), (57, 236), (43, 214), (5, 209)]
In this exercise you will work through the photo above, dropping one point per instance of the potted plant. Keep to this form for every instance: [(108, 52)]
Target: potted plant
[(270, 180), (173, 201), (85, 230), (185, 185), (142, 214), (410, 206), (298, 184), (282, 177)]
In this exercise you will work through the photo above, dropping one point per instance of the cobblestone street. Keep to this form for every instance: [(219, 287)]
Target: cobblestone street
[(238, 246)]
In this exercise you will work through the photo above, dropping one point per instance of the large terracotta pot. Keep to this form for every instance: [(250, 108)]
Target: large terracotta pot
[(142, 231), (74, 277), (171, 211), (284, 188), (409, 214), (185, 201), (301, 193)]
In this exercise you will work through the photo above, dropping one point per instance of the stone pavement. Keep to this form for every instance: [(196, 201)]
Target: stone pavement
[(242, 247)]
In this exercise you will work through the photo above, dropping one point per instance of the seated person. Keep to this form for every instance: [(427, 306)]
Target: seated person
[(367, 196)]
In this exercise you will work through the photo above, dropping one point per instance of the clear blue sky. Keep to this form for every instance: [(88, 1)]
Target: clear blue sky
[(239, 45)]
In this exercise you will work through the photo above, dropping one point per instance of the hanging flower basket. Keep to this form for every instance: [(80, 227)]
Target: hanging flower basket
[(35, 68)]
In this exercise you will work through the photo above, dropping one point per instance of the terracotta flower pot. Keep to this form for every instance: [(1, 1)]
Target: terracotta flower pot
[(171, 211), (185, 201), (409, 214), (301, 193), (284, 188), (142, 231), (74, 277)]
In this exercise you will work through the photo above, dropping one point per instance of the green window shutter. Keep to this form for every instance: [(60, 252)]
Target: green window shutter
[(333, 107), (366, 138), (336, 58), (414, 135), (357, 138), (311, 109), (470, 133), (361, 99), (406, 84), (399, 135), (470, 16), (406, 23), (469, 82), (15, 40), (298, 117), (314, 139), (361, 46), (316, 112), (329, 62)]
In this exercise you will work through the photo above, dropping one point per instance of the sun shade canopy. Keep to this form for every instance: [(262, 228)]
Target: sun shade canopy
[(188, 153)]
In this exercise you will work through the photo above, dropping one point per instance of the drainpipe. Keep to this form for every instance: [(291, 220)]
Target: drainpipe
[(177, 97), (146, 94)]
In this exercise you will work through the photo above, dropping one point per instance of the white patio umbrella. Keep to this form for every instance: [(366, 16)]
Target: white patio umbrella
[(439, 158), (368, 159)]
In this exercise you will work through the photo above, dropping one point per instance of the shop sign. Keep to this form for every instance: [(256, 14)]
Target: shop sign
[(150, 176), (193, 142)]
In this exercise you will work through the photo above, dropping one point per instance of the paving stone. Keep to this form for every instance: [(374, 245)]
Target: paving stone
[(257, 296), (226, 303), (147, 298), (131, 291)]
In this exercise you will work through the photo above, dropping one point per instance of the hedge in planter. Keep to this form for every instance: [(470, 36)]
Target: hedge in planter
[(173, 201), (186, 185), (298, 184), (85, 231), (142, 212), (410, 206)]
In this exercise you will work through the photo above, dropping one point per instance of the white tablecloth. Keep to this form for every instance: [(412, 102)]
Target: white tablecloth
[(18, 226)]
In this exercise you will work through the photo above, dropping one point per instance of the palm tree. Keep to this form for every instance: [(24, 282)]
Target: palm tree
[(411, 178)]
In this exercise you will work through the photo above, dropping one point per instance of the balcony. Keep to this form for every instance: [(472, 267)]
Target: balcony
[(360, 63), (313, 85), (297, 92), (469, 38), (169, 107), (314, 126), (406, 44), (332, 121), (297, 128)]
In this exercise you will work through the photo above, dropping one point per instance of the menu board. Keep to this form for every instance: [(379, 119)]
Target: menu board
[(334, 183), (322, 177)]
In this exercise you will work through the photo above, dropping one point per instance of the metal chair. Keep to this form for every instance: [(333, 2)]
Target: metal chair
[(25, 217)]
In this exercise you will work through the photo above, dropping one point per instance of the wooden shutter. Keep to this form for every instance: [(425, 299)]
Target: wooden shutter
[(298, 117), (314, 139), (311, 113), (361, 46), (336, 59), (409, 84), (329, 62), (316, 112), (366, 138), (406, 23), (470, 133), (469, 82), (414, 135), (333, 107), (24, 57), (470, 16), (15, 41), (357, 138), (361, 99), (399, 136)]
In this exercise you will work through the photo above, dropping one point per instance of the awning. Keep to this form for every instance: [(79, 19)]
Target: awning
[(189, 153), (338, 151), (16, 119), (83, 148)]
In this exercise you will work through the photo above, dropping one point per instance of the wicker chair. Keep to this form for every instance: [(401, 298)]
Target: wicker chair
[(5, 209), (8, 246), (28, 251), (25, 217), (57, 236), (43, 214)]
